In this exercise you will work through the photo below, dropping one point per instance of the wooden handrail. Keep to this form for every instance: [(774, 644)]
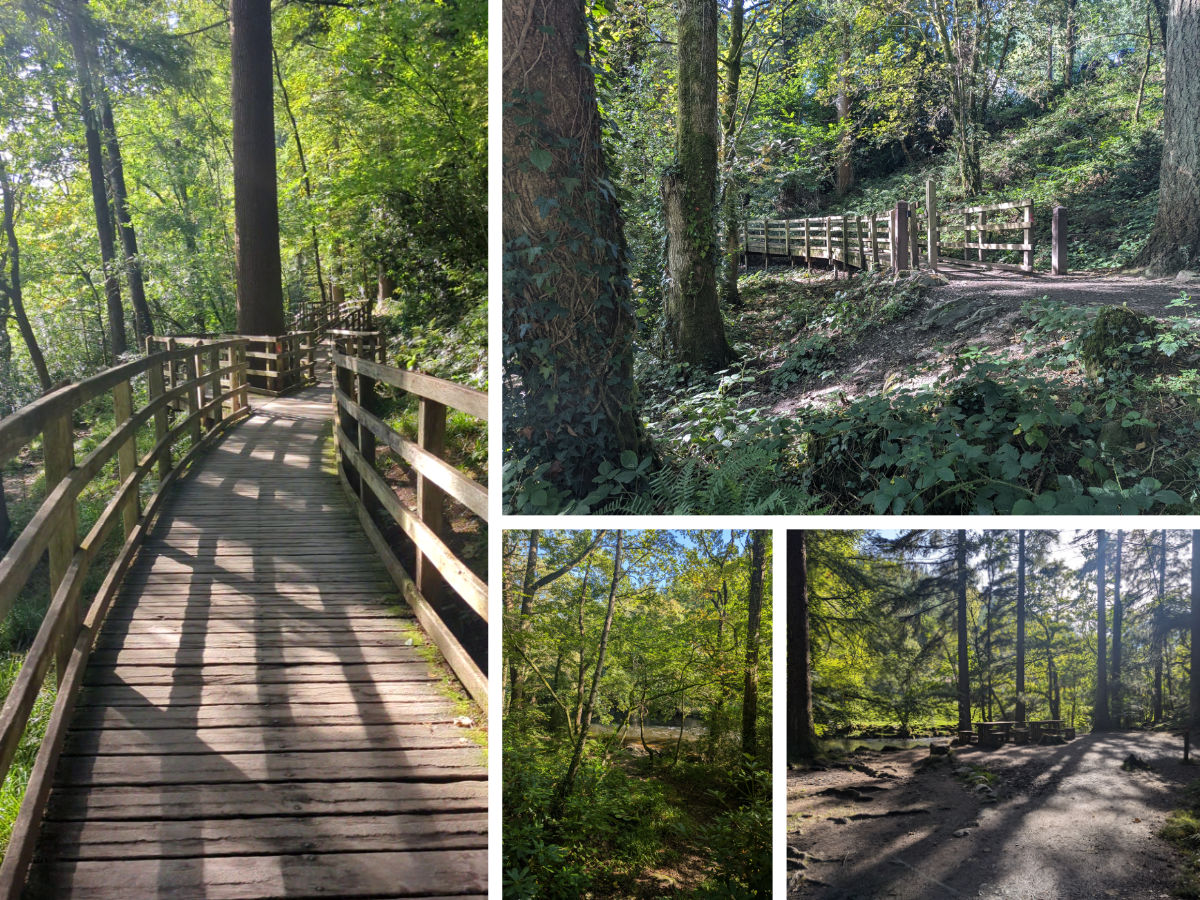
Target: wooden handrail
[(358, 429), (66, 632), (288, 360)]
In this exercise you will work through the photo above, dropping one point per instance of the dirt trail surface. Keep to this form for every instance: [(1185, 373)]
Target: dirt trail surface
[(1055, 823), (980, 307)]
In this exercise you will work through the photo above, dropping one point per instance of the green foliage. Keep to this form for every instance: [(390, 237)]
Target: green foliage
[(13, 790), (1182, 829), (1117, 338)]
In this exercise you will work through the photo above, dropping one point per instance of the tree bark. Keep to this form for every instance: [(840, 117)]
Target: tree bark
[(1157, 635), (10, 281), (255, 193), (1021, 626), (844, 179), (1118, 614), (563, 789), (802, 735), (758, 554), (1069, 49), (1194, 678), (143, 324), (964, 671), (1100, 720), (694, 325), (568, 318), (77, 33), (730, 205), (1174, 241)]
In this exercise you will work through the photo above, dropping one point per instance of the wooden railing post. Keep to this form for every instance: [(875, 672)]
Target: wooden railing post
[(126, 454), (900, 238), (874, 242), (766, 245), (787, 240), (966, 236), (931, 214), (1027, 232), (194, 393), (914, 236), (807, 247), (431, 436), (1058, 242), (171, 363), (344, 379), (58, 444), (981, 230), (365, 395), (156, 387), (214, 364)]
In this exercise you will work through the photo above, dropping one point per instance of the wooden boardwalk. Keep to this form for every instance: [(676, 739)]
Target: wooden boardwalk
[(255, 721)]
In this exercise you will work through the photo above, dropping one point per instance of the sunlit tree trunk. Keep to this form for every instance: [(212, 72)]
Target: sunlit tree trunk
[(845, 164), (1174, 242), (754, 614), (964, 671), (694, 325), (1157, 625), (563, 789), (76, 30), (516, 679), (255, 193), (1100, 720), (10, 281), (802, 736), (731, 206), (1117, 625)]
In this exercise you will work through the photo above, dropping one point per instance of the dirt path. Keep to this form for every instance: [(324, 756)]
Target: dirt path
[(1067, 823), (978, 307)]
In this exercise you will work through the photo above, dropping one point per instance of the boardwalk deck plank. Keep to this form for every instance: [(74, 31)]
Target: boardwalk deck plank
[(256, 721)]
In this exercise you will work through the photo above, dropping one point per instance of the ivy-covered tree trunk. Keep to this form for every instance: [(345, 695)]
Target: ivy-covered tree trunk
[(1174, 241), (1100, 720), (758, 555), (694, 325), (568, 322), (964, 667), (802, 736), (255, 193), (731, 206), (76, 31)]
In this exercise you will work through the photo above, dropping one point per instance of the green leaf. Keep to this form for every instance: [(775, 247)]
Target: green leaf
[(541, 158)]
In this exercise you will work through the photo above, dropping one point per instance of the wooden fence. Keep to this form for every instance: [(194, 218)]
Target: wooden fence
[(360, 431), (212, 390), (320, 317), (358, 343), (278, 363), (894, 238)]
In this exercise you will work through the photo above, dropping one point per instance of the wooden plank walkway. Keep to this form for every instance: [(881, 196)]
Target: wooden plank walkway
[(254, 723)]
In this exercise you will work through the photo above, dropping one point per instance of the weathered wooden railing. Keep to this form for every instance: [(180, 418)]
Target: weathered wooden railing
[(359, 432), (279, 363), (362, 344), (212, 391), (894, 238)]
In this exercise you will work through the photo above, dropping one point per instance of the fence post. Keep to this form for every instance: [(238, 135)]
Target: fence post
[(807, 247), (874, 242), (344, 379), (966, 236), (1058, 242), (366, 438), (155, 388), (900, 237), (766, 246), (982, 220), (1027, 266), (862, 247), (931, 213), (431, 435), (787, 240), (194, 393), (214, 365), (58, 444), (914, 236), (126, 454)]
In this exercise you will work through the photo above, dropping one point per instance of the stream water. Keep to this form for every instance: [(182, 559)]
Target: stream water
[(693, 730), (849, 745)]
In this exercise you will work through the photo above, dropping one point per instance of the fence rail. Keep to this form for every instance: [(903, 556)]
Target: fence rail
[(893, 238), (211, 389), (360, 431), (276, 363)]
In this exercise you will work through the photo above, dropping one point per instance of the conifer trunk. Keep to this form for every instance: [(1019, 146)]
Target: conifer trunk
[(964, 671), (754, 600), (1100, 720), (730, 201), (1021, 626), (1117, 627), (802, 736)]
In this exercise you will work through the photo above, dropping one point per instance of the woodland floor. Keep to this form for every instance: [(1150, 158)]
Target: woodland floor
[(978, 307), (1067, 823)]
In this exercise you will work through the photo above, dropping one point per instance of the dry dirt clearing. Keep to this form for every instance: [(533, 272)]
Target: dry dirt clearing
[(1043, 823)]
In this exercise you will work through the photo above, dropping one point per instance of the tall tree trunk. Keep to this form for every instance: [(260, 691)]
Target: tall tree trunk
[(730, 201), (563, 789), (694, 325), (1137, 109), (143, 323), (316, 243), (1069, 50), (964, 669), (10, 281), (516, 680), (1118, 614), (1174, 241), (255, 193), (844, 179), (1021, 626), (566, 278), (77, 32), (758, 555), (1100, 720), (1194, 677), (1156, 637), (802, 735)]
